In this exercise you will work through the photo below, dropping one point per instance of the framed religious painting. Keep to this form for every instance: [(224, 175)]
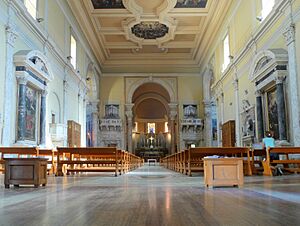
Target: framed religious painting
[(32, 106), (272, 112)]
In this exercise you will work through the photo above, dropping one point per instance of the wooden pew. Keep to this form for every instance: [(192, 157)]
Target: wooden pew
[(51, 154), (268, 164), (19, 151), (108, 159), (194, 157), (256, 160)]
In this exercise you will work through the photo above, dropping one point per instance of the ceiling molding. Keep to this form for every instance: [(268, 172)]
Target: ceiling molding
[(183, 48)]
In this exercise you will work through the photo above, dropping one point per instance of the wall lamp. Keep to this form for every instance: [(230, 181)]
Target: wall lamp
[(40, 19), (259, 18)]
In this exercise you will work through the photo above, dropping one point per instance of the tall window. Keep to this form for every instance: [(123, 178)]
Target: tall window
[(226, 53), (73, 51), (31, 6), (267, 6)]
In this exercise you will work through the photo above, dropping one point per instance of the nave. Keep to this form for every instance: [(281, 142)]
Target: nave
[(151, 195)]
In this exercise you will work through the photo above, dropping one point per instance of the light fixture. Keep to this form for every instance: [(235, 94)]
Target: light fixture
[(230, 57), (69, 57), (259, 18), (39, 19)]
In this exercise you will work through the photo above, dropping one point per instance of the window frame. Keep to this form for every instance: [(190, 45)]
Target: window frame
[(30, 6), (73, 59), (226, 59), (265, 11)]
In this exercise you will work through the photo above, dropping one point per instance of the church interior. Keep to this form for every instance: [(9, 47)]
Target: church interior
[(135, 112)]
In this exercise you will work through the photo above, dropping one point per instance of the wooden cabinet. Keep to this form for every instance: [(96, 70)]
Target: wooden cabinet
[(25, 171), (228, 134), (74, 134), (223, 172)]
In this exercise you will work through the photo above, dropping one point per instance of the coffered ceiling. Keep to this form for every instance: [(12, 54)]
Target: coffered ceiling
[(152, 36)]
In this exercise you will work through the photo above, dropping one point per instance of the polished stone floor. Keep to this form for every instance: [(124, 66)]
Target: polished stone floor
[(154, 196)]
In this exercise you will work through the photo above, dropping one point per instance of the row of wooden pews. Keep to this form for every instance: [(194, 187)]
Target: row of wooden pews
[(66, 160), (288, 160), (191, 160), (96, 159), (255, 161)]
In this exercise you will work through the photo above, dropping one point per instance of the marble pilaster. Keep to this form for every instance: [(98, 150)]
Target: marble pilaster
[(237, 113), (43, 118), (11, 36), (65, 88), (208, 123), (95, 115), (220, 117), (21, 124), (129, 116), (289, 35), (280, 106), (259, 116), (172, 117)]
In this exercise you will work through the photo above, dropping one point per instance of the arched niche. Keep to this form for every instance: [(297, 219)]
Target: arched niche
[(169, 84), (33, 73), (269, 70), (266, 61), (92, 83)]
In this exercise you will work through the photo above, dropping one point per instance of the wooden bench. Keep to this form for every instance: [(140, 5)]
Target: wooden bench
[(289, 165), (193, 159), (51, 154), (256, 160), (19, 151), (96, 159)]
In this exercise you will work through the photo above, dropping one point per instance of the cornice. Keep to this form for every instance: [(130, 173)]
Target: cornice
[(269, 22), (161, 75), (41, 35)]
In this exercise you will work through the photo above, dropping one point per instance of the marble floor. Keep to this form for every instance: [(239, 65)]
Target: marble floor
[(151, 195)]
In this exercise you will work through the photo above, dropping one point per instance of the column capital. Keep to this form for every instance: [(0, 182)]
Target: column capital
[(173, 106), (173, 110), (279, 76), (129, 115), (289, 34), (128, 107), (220, 97), (173, 115), (45, 92), (66, 85), (207, 112), (207, 103), (258, 93), (94, 105), (236, 84), (22, 79), (11, 35)]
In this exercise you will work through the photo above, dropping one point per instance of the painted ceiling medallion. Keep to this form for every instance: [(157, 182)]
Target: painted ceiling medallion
[(191, 4), (108, 4), (150, 30)]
